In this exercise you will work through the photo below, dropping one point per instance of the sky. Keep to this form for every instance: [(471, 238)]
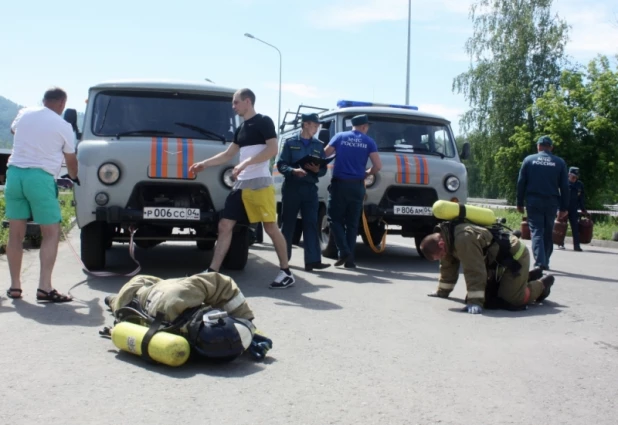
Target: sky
[(331, 49)]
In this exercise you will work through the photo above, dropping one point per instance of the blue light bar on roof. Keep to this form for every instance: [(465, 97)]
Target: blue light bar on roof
[(353, 103)]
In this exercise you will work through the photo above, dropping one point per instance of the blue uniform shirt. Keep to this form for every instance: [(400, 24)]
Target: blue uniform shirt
[(294, 149), (577, 198), (352, 149), (543, 178)]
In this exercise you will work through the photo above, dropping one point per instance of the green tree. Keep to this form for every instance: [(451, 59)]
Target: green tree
[(476, 189), (517, 53), (581, 116)]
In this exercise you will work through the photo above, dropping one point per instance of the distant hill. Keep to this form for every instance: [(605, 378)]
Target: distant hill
[(8, 112)]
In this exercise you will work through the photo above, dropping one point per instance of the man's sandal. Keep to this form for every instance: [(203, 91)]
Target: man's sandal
[(52, 296), (10, 291)]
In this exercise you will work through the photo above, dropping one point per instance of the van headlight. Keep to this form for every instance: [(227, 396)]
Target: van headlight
[(227, 178), (452, 184), (109, 173), (370, 180)]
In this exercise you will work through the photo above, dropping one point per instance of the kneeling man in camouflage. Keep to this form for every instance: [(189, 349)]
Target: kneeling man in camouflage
[(495, 267)]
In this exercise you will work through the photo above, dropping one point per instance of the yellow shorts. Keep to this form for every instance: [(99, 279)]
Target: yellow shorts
[(251, 206), (260, 205)]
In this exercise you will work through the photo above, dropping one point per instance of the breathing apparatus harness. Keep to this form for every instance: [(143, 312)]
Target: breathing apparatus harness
[(505, 260), (190, 319), (500, 236)]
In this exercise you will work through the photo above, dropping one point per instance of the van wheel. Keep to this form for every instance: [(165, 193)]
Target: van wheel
[(417, 242), (376, 230), (259, 233), (94, 242), (35, 241), (237, 255), (327, 240), (205, 245)]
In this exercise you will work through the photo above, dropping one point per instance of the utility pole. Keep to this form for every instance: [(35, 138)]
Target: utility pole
[(408, 70)]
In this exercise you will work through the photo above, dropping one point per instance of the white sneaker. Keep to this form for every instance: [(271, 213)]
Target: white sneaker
[(283, 280)]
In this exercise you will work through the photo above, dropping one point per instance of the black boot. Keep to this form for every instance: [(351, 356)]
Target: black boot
[(316, 266), (548, 281), (535, 274)]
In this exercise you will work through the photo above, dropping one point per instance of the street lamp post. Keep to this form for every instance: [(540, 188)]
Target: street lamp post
[(280, 68), (408, 71)]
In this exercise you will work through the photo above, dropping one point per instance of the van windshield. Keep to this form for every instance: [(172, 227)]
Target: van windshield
[(122, 113), (395, 134)]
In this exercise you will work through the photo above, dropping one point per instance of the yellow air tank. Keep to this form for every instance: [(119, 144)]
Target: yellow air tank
[(170, 349), (446, 210)]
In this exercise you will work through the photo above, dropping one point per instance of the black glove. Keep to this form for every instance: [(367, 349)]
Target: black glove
[(260, 346), (75, 180)]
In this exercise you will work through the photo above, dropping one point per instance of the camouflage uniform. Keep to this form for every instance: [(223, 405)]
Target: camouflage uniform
[(173, 296), (474, 249)]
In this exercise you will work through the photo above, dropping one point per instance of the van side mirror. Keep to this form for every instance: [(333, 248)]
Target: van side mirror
[(70, 116), (465, 151)]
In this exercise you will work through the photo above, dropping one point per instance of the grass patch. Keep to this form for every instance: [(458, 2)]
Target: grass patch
[(66, 208), (604, 225)]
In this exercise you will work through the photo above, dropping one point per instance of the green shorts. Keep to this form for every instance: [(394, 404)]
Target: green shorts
[(31, 193)]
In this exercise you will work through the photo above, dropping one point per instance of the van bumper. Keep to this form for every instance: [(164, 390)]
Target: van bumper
[(411, 225), (119, 215)]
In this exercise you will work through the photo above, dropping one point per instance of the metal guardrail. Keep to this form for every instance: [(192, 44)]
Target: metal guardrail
[(487, 201), (612, 213)]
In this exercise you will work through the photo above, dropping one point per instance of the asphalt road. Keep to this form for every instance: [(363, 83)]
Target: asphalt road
[(350, 347)]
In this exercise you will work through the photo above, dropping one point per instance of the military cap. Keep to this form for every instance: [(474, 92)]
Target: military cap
[(574, 171), (310, 118), (544, 140), (360, 120)]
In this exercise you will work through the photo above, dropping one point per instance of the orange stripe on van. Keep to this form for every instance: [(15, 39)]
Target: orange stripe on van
[(191, 158), (153, 157), (426, 170), (164, 159), (399, 176), (179, 158), (418, 169), (408, 178)]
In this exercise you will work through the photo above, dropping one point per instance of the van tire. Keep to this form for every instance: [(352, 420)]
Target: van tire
[(327, 240), (205, 245), (238, 254), (259, 233), (94, 242), (417, 243), (377, 233)]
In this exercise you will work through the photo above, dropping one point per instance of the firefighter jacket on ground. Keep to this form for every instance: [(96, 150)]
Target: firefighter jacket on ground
[(474, 249), (173, 296), (207, 309)]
